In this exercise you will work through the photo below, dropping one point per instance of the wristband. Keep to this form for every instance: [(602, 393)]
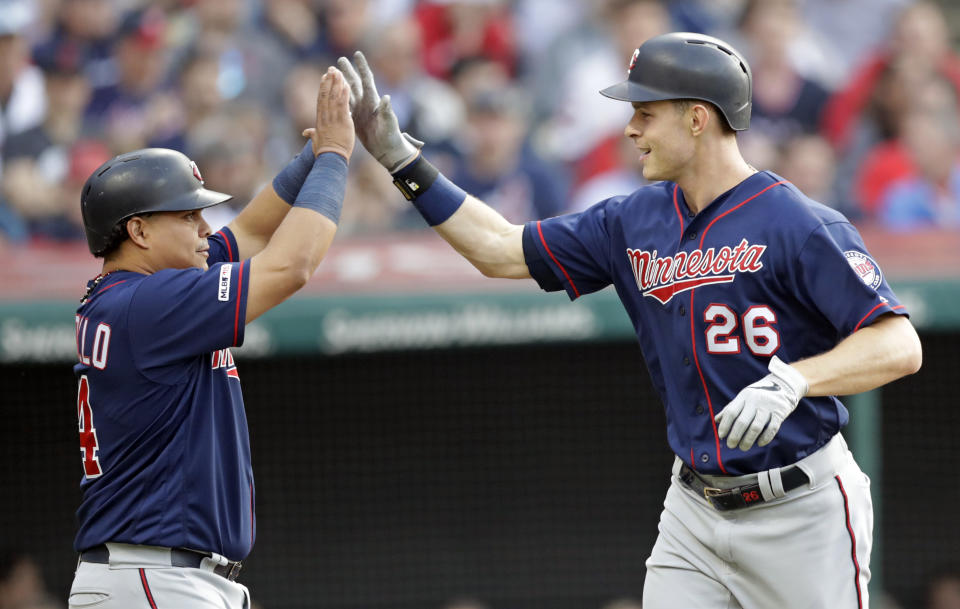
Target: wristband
[(325, 186), (288, 182), (434, 196)]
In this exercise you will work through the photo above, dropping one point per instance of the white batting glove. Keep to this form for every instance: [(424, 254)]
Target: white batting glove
[(374, 119), (760, 409)]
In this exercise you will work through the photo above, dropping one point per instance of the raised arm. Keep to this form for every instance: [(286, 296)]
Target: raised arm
[(254, 226), (486, 239), (301, 240), (257, 222), (475, 230)]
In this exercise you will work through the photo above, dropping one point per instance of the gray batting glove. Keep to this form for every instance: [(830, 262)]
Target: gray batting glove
[(760, 409), (374, 119)]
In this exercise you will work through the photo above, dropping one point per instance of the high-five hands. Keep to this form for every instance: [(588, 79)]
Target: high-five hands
[(374, 119), (759, 410), (333, 131)]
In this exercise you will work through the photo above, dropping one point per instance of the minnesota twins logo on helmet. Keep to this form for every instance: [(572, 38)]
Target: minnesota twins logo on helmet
[(196, 171), (865, 267)]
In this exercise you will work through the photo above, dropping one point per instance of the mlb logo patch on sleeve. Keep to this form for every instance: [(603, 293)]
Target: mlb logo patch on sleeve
[(865, 267), (223, 286)]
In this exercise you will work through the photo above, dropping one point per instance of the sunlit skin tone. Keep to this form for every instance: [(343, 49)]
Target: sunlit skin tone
[(658, 133), (164, 240), (688, 145)]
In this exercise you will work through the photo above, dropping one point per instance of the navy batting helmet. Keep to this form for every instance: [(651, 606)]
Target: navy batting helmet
[(148, 180), (682, 65)]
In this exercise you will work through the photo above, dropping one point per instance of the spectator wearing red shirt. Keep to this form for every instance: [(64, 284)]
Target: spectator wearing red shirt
[(928, 197), (890, 160), (866, 114), (920, 37), (455, 29)]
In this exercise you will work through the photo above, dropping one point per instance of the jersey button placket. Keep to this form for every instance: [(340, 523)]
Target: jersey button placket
[(699, 409), (704, 457)]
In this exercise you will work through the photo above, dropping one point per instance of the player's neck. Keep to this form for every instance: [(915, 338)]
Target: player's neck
[(712, 173), (122, 262)]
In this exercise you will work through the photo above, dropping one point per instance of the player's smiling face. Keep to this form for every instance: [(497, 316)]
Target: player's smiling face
[(178, 239), (665, 146)]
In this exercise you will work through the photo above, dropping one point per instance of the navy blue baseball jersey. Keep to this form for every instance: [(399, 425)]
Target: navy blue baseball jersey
[(762, 271), (163, 432)]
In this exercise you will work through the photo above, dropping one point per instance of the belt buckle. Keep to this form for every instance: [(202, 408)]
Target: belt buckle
[(720, 498), (710, 492), (234, 570)]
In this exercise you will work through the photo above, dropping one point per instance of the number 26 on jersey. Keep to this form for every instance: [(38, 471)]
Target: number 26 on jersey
[(727, 331)]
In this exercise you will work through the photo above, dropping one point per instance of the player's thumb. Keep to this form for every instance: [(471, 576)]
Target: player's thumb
[(386, 108), (414, 141)]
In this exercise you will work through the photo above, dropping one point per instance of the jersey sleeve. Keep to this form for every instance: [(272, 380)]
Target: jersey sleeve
[(835, 272), (570, 251), (178, 314), (223, 247)]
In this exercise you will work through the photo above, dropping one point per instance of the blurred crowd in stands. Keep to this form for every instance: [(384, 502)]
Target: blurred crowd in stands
[(856, 102)]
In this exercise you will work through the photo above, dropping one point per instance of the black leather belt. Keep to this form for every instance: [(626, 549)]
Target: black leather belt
[(179, 557), (740, 496)]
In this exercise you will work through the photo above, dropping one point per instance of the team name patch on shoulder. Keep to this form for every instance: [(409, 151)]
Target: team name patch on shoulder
[(223, 286), (865, 267)]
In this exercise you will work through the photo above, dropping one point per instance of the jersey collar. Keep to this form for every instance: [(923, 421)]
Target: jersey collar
[(750, 186)]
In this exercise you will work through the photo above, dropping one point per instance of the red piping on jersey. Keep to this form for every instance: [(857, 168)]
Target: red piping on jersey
[(105, 288), (676, 206), (693, 463), (146, 589), (696, 361), (236, 315), (704, 235), (555, 261), (693, 336), (871, 313), (227, 241), (666, 292), (853, 544)]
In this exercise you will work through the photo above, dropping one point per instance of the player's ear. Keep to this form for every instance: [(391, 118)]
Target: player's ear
[(137, 231), (698, 118)]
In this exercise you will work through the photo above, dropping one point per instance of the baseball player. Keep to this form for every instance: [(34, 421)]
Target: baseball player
[(168, 495), (754, 306)]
